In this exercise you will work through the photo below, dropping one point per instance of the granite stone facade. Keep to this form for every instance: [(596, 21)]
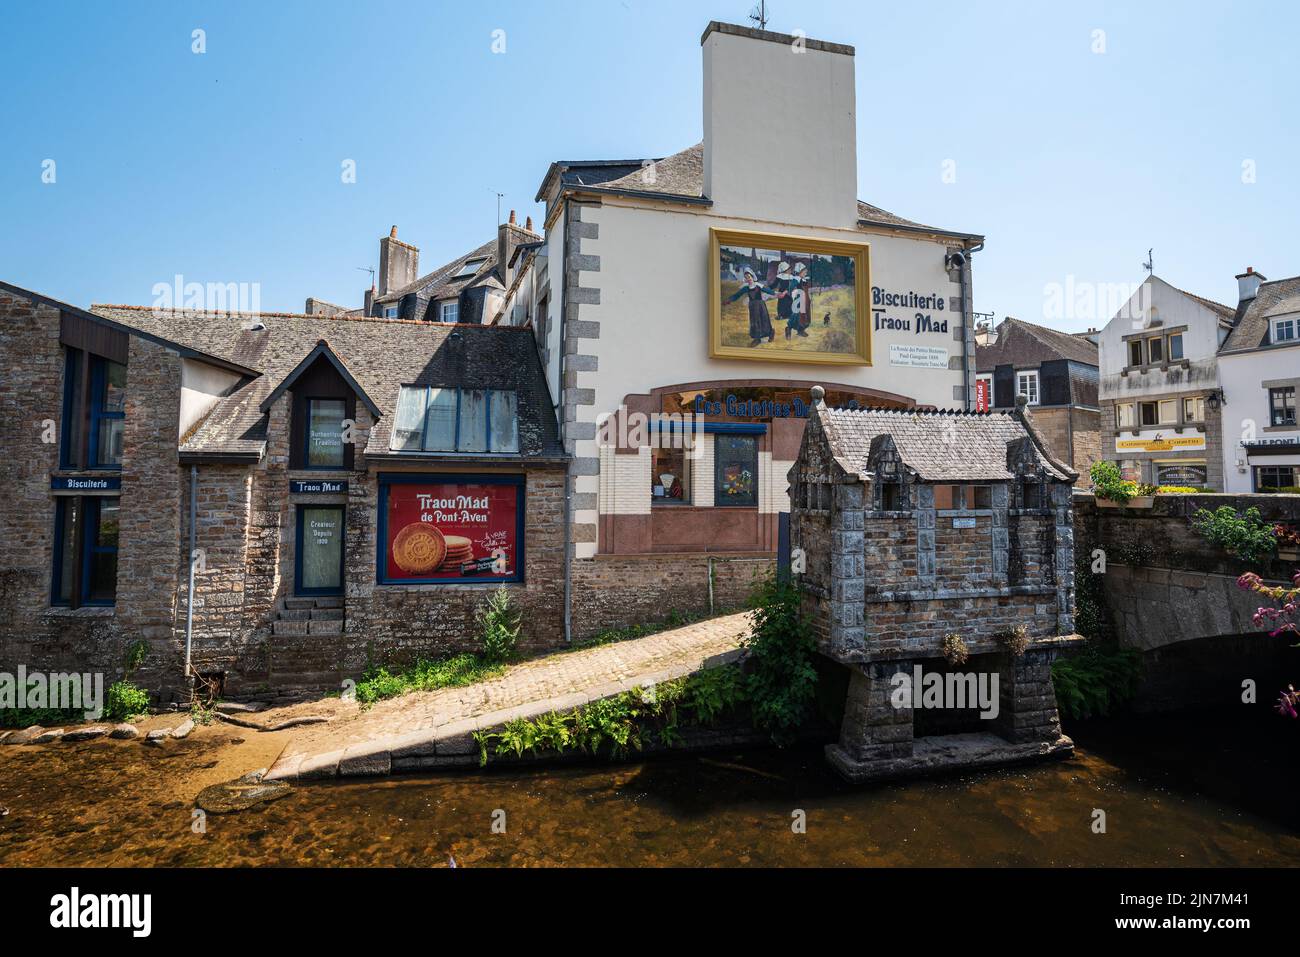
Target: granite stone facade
[(908, 528)]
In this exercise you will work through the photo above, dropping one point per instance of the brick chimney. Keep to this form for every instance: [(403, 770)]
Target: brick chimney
[(1248, 284), (510, 236), (399, 263)]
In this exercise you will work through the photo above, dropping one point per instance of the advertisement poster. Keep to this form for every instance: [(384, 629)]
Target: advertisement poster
[(451, 532)]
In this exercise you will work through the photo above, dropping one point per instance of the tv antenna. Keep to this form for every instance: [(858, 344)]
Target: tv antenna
[(759, 14), (499, 196), (1149, 265), (371, 270)]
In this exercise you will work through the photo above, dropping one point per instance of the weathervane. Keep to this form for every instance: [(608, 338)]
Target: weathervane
[(759, 14), (1149, 265)]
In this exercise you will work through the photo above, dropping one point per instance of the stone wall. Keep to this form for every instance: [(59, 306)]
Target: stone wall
[(1073, 435), (1163, 582), (614, 591)]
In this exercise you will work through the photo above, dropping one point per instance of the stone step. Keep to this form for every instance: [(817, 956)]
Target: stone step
[(300, 603), (317, 627), (289, 627), (295, 614), (329, 601), (327, 614)]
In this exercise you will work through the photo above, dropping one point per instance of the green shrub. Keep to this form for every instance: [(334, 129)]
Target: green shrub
[(1107, 483), (782, 684), (1095, 681), (1244, 535), (124, 701), (499, 623), (624, 722), (379, 683)]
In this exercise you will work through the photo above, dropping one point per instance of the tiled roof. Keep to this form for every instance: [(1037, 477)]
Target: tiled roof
[(439, 284), (381, 355), (1275, 298), (1022, 344), (682, 174), (1224, 312), (938, 446)]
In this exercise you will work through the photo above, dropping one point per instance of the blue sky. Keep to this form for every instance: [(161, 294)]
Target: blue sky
[(225, 166)]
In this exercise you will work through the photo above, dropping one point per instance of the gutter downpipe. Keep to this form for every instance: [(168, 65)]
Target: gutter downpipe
[(564, 441), (967, 317), (189, 602)]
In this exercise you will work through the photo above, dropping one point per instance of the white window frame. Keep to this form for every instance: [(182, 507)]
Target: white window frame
[(986, 377), (1291, 324), (1023, 380), (1125, 415), (390, 312), (453, 307)]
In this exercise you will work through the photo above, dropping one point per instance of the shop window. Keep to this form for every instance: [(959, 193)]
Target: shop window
[(1281, 406), (1277, 478), (1135, 357), (1176, 346), (1194, 409), (979, 496), (94, 412), (433, 419), (1286, 330), (735, 470), (85, 551), (947, 497), (324, 434), (670, 482), (1027, 385)]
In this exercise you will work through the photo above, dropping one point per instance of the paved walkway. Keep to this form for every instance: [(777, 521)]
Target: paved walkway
[(434, 729)]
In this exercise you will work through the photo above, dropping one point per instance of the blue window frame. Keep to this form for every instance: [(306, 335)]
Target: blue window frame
[(316, 569), (324, 448), (107, 413), (85, 551)]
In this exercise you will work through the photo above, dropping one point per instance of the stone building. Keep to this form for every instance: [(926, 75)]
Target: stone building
[(633, 303), (916, 526), (1057, 373), (348, 489)]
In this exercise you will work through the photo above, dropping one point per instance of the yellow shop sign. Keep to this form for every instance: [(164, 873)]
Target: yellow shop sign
[(1160, 443)]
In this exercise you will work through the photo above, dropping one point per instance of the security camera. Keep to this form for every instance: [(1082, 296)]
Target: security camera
[(955, 260)]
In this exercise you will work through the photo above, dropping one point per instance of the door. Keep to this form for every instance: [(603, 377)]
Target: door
[(318, 564)]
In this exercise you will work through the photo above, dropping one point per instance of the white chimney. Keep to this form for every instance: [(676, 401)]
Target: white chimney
[(780, 129), (1248, 284)]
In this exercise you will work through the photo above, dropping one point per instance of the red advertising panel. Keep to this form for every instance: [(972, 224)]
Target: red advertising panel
[(982, 395), (451, 531)]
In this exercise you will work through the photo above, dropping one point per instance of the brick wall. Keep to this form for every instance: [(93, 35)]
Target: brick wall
[(1073, 434)]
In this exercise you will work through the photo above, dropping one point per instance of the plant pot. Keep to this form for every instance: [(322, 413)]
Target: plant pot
[(1108, 503), (1141, 501)]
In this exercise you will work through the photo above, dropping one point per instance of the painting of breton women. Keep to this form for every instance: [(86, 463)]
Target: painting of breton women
[(760, 321), (800, 278)]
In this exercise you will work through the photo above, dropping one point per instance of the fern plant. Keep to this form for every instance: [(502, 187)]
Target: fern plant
[(500, 627)]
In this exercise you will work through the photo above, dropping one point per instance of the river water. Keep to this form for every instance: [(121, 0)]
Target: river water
[(1206, 789)]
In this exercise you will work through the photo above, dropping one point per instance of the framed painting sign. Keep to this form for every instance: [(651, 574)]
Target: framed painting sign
[(789, 298)]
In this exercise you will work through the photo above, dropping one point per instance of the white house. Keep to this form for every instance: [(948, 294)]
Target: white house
[(1160, 391), (1259, 369)]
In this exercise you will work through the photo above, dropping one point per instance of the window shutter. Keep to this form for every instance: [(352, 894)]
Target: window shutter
[(1004, 387), (1054, 382)]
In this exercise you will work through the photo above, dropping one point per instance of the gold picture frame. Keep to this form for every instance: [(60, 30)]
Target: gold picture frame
[(732, 331)]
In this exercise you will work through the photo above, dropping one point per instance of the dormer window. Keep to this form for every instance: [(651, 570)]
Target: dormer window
[(1286, 330), (470, 268), (1031, 494), (435, 419), (891, 496), (449, 311), (324, 434), (94, 412), (1027, 384)]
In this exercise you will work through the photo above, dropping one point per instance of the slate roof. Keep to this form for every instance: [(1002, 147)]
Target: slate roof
[(682, 174), (938, 446), (1022, 344), (439, 284), (380, 354), (1277, 298)]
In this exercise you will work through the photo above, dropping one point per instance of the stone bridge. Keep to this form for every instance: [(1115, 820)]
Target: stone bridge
[(1163, 582), (1173, 596)]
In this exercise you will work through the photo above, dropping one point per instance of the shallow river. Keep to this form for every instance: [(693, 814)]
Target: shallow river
[(1201, 790)]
